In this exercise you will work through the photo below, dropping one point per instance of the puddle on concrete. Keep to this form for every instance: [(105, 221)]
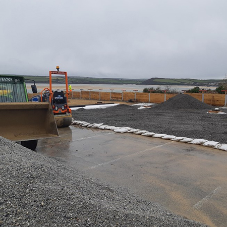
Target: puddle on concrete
[(178, 176)]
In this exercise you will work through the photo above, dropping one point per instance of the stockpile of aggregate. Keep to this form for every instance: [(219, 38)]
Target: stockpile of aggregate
[(182, 102), (39, 191), (181, 115)]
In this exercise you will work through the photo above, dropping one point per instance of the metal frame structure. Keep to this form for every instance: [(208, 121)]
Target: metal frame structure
[(66, 83)]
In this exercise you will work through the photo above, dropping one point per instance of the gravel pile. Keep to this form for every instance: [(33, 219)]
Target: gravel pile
[(182, 115), (182, 102), (39, 191)]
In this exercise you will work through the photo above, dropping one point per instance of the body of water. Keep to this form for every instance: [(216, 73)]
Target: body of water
[(114, 87)]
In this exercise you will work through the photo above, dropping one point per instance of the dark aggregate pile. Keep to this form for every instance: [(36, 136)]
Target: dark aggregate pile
[(181, 115), (182, 102), (39, 191)]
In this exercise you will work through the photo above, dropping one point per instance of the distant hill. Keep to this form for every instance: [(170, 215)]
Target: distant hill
[(190, 82), (151, 81)]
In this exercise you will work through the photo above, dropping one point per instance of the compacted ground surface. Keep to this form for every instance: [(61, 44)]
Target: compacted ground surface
[(181, 115)]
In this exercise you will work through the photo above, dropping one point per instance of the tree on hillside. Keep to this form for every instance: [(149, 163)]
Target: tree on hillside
[(158, 90), (222, 86), (153, 90), (194, 90)]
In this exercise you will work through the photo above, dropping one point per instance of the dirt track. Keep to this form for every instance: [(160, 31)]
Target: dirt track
[(181, 115)]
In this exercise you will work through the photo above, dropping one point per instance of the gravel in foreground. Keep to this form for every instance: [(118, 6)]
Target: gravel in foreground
[(40, 191), (181, 115)]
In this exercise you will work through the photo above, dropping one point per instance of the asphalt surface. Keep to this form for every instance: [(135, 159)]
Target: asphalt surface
[(188, 180)]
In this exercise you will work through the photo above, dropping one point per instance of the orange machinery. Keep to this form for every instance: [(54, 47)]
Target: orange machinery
[(58, 100)]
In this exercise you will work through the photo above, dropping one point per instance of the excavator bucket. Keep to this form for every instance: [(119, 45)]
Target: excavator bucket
[(24, 121)]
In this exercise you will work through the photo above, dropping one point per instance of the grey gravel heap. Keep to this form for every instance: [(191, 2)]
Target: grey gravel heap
[(182, 102), (40, 191)]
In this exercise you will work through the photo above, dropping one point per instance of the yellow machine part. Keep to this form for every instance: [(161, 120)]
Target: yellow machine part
[(27, 121)]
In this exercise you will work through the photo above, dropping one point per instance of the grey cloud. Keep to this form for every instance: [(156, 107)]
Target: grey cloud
[(122, 38)]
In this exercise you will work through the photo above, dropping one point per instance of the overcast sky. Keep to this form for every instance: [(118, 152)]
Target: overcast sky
[(115, 38)]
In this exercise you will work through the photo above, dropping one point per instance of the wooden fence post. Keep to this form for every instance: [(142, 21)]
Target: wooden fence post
[(100, 94), (81, 92), (135, 93), (225, 97), (122, 95), (110, 93), (90, 93)]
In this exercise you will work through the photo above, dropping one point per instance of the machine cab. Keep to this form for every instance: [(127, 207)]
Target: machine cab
[(59, 102)]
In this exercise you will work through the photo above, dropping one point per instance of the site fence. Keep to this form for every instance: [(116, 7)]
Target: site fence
[(208, 98)]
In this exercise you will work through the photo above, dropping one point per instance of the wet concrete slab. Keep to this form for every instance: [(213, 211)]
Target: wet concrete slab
[(189, 180)]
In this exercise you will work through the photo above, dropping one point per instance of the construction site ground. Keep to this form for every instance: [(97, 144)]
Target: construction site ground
[(82, 176), (188, 180)]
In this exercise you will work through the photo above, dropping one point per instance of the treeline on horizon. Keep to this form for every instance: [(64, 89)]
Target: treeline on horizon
[(152, 81), (175, 81)]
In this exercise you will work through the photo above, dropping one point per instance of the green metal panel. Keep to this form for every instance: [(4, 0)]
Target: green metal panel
[(13, 89)]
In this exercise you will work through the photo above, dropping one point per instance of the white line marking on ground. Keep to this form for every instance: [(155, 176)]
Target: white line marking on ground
[(139, 152), (89, 137), (83, 138), (205, 199)]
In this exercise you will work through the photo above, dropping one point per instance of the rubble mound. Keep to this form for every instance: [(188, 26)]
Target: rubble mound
[(182, 102)]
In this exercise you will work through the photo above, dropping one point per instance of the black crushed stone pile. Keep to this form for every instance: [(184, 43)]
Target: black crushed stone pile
[(39, 191), (182, 102)]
